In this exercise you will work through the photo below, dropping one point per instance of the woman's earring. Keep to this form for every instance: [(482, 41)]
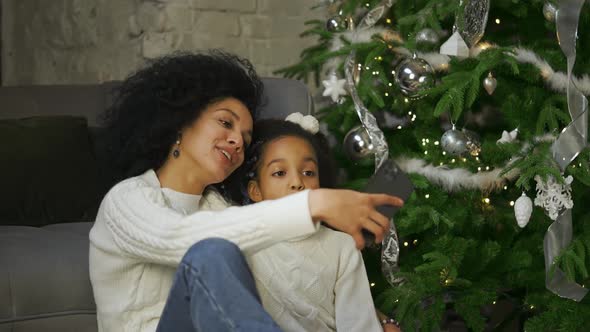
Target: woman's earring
[(176, 152)]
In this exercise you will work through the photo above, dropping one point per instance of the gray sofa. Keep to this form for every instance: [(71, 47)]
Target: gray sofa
[(55, 175)]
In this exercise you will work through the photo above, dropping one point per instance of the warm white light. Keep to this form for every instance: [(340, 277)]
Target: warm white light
[(372, 284), (427, 196), (497, 21), (405, 244), (486, 200), (511, 203)]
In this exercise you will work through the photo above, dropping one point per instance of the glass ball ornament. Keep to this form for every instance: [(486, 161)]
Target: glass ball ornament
[(357, 143), (338, 24), (414, 75), (427, 37), (473, 142), (454, 142), (549, 11)]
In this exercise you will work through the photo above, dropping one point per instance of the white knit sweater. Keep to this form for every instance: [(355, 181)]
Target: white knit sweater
[(140, 236), (315, 282)]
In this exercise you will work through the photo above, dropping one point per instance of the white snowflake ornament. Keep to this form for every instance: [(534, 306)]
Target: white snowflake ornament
[(508, 137), (553, 196), (334, 87), (523, 208)]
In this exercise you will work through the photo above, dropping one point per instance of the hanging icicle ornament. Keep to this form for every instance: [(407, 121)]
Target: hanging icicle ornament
[(553, 196), (490, 84), (414, 75), (334, 87), (523, 208)]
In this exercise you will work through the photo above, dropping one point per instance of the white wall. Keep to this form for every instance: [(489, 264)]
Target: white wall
[(89, 41)]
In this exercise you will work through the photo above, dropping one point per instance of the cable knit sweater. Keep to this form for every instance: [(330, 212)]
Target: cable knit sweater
[(142, 231), (313, 283)]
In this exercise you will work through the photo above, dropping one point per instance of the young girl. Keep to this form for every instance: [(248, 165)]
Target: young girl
[(314, 282)]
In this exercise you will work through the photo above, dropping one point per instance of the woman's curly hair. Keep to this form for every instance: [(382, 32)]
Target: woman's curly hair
[(154, 104), (265, 132)]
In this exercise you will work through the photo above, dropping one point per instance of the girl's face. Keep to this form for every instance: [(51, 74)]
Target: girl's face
[(288, 165), (214, 143)]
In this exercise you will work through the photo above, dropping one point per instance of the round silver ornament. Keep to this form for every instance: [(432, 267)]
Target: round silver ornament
[(357, 143), (490, 84), (454, 142), (338, 24), (523, 208), (549, 11), (427, 37), (414, 75)]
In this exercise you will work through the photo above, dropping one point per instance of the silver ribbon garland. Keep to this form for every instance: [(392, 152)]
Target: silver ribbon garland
[(471, 20), (572, 140), (390, 244)]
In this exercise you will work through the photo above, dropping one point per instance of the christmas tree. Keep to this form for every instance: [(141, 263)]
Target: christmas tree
[(482, 103)]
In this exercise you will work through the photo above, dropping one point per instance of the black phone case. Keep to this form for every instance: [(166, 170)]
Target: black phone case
[(389, 179)]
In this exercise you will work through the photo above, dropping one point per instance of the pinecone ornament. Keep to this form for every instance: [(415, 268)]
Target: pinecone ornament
[(523, 208)]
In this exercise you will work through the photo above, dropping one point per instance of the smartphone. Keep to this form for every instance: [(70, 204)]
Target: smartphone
[(389, 179)]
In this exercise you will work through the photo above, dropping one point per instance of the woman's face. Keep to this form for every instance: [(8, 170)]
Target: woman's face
[(288, 165), (216, 140)]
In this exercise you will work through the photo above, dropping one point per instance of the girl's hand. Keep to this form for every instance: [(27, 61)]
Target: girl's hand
[(351, 211)]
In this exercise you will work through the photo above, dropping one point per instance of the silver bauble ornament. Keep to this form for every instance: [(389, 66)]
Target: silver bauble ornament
[(490, 83), (454, 142), (357, 143), (549, 11), (523, 208), (427, 37), (414, 75), (338, 24)]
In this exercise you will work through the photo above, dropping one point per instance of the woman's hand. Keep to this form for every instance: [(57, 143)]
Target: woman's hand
[(387, 327), (352, 211), (390, 328)]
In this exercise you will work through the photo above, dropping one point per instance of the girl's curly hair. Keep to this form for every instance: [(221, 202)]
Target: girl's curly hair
[(265, 132), (154, 104)]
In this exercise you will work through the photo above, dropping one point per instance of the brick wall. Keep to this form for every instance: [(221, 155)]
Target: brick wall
[(89, 41)]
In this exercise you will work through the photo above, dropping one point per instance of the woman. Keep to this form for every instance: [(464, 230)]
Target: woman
[(181, 126)]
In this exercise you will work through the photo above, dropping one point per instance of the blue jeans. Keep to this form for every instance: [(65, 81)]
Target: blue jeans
[(214, 290)]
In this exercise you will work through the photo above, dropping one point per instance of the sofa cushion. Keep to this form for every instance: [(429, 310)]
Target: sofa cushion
[(44, 274), (50, 172)]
